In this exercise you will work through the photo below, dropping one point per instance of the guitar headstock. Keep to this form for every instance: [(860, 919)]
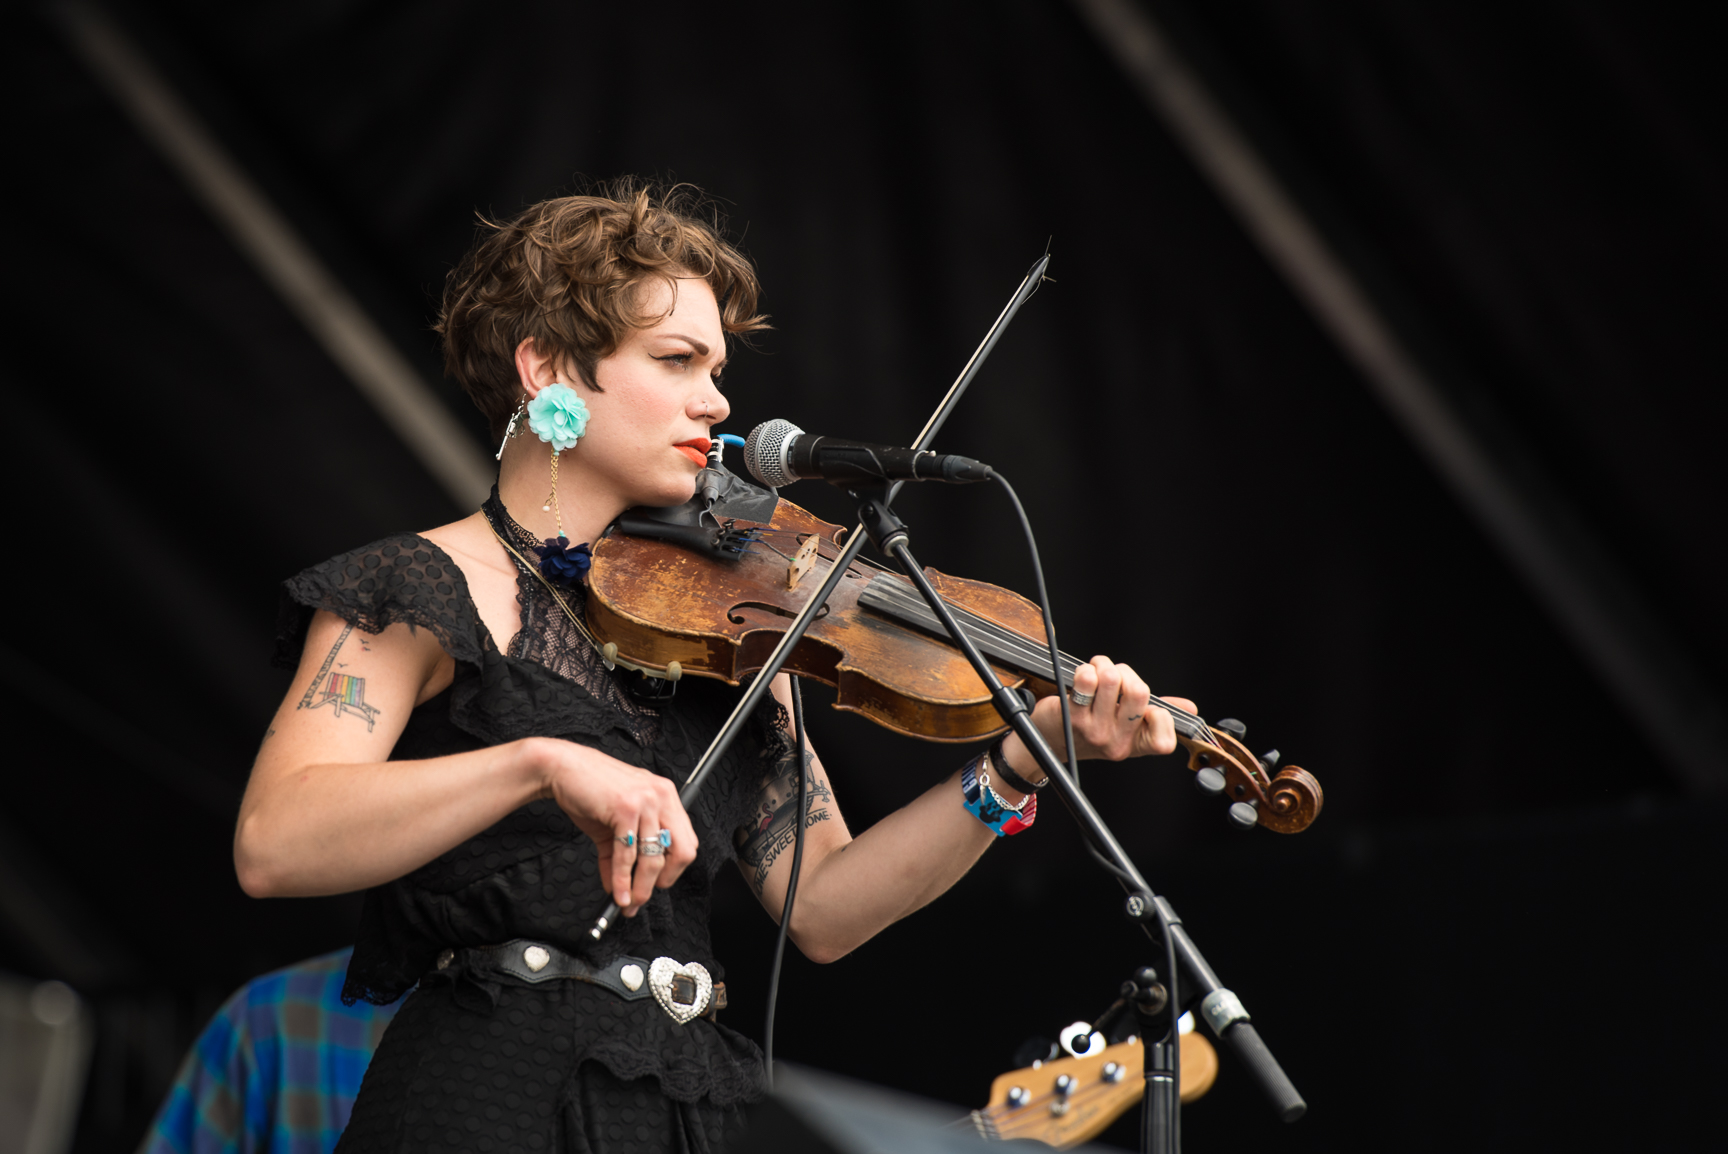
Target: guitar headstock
[(1072, 1100)]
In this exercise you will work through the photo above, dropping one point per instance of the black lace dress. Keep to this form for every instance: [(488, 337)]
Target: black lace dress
[(488, 1065)]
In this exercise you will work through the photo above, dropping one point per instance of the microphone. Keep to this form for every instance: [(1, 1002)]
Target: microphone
[(779, 452)]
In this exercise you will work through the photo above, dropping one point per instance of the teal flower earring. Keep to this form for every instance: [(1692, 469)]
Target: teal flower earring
[(559, 417)]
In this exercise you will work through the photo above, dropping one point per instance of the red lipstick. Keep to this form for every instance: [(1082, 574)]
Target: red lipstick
[(696, 448)]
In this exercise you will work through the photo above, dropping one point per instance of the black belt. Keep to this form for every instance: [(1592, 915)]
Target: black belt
[(683, 989)]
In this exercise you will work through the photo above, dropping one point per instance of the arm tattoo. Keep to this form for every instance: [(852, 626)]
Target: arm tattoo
[(761, 843), (345, 693)]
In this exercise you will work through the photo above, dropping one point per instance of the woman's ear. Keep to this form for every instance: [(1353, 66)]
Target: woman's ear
[(534, 370)]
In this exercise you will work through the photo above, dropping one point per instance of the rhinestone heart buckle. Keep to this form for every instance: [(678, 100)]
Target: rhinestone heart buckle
[(682, 989)]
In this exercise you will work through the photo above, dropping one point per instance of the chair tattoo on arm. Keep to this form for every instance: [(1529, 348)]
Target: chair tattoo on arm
[(344, 692)]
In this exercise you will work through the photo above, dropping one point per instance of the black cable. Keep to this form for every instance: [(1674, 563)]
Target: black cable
[(792, 881), (1049, 623), (1170, 979), (1055, 664), (1175, 1004)]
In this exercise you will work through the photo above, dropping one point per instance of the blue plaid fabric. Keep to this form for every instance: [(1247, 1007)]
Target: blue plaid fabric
[(276, 1069)]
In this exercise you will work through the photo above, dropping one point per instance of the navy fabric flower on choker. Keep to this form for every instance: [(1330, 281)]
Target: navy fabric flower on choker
[(563, 563)]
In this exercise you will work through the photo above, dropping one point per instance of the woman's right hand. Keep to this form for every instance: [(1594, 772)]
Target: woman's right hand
[(607, 799)]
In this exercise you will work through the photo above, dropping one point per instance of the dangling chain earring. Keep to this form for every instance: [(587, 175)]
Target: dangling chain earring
[(551, 505), (559, 417), (514, 428)]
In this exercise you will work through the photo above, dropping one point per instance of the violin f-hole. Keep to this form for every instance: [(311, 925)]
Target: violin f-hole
[(735, 614)]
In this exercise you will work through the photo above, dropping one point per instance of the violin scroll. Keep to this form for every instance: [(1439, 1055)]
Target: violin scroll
[(1296, 800), (1287, 803)]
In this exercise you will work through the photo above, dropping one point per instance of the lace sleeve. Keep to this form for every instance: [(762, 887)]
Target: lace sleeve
[(404, 578), (757, 832), (771, 727)]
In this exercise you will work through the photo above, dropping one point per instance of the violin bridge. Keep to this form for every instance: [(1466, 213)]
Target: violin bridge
[(801, 562)]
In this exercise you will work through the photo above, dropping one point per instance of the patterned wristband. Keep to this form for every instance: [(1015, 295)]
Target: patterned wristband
[(999, 765), (987, 805)]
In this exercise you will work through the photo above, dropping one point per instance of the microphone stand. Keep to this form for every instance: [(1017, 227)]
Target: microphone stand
[(1148, 998), (1219, 1007), (752, 698)]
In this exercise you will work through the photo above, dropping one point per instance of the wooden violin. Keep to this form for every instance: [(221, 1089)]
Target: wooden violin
[(665, 604)]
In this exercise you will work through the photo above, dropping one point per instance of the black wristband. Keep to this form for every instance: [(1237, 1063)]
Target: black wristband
[(1006, 772)]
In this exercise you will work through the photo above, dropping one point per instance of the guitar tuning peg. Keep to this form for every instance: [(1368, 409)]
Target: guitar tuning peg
[(1233, 727), (1243, 815), (1081, 1040), (1269, 760), (1209, 780)]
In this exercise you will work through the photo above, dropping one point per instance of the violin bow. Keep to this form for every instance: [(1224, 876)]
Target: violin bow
[(759, 686)]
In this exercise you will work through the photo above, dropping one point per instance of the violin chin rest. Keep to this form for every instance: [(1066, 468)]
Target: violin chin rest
[(709, 540)]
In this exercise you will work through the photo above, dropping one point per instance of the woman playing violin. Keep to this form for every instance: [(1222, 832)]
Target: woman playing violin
[(454, 745)]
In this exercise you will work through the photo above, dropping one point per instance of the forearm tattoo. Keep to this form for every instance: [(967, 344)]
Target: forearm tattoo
[(343, 692), (761, 843)]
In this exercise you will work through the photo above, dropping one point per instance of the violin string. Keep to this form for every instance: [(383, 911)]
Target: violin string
[(1011, 645), (1020, 649), (979, 628), (1024, 653), (778, 552), (861, 562), (1031, 658)]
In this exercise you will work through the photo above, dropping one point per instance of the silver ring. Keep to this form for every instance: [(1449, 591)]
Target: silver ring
[(628, 840), (657, 846), (1081, 699)]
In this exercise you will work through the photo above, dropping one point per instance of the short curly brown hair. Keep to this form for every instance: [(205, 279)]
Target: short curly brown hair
[(565, 273)]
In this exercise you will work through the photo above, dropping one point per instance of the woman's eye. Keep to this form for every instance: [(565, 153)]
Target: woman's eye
[(680, 359)]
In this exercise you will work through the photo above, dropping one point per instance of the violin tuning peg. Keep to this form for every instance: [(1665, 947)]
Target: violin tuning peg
[(1243, 815), (1269, 760), (1209, 780), (1233, 727)]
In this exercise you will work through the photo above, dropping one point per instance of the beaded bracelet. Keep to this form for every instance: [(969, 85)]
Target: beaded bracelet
[(987, 805), (994, 759)]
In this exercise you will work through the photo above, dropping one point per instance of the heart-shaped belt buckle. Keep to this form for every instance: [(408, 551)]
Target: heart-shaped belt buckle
[(673, 983)]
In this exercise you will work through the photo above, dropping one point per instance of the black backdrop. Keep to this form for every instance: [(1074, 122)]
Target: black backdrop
[(1465, 948)]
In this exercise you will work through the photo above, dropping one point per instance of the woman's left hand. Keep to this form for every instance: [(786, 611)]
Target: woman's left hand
[(1118, 723)]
